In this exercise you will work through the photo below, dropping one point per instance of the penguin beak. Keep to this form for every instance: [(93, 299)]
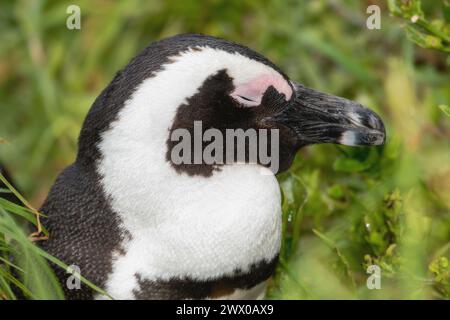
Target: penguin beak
[(318, 117)]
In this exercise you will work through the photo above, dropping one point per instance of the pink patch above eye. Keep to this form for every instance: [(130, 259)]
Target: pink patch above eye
[(250, 94)]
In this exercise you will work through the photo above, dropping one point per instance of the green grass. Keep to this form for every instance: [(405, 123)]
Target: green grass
[(23, 265), (343, 208)]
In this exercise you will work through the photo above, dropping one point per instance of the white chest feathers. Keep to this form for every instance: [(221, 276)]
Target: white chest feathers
[(194, 227)]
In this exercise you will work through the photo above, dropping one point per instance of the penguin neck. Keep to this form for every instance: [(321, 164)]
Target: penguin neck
[(147, 191), (232, 217)]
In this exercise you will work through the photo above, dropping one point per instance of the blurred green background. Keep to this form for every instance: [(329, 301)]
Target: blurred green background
[(343, 208)]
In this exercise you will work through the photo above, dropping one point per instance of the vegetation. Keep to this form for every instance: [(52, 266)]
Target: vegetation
[(344, 209), (433, 34)]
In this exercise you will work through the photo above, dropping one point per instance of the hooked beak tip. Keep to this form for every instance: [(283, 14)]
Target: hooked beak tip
[(355, 137), (368, 130)]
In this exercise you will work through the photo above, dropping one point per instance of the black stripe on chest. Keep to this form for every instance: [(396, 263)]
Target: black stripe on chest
[(186, 288)]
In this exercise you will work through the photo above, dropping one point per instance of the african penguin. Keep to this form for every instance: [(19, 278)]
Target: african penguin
[(143, 227)]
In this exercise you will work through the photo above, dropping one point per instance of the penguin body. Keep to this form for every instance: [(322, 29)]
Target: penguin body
[(142, 227)]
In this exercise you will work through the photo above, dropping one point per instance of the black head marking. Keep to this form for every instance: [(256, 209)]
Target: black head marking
[(213, 106)]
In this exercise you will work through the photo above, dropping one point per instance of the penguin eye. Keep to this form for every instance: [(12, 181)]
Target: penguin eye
[(247, 96), (250, 93), (245, 101)]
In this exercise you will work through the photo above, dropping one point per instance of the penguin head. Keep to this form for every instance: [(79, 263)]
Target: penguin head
[(186, 80)]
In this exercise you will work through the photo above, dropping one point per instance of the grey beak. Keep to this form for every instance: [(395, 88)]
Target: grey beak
[(318, 117)]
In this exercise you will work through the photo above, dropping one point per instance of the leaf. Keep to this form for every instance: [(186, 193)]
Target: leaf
[(328, 241), (345, 265), (349, 165), (446, 11), (336, 192), (445, 109), (26, 204), (405, 9), (18, 210), (394, 8), (417, 36)]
